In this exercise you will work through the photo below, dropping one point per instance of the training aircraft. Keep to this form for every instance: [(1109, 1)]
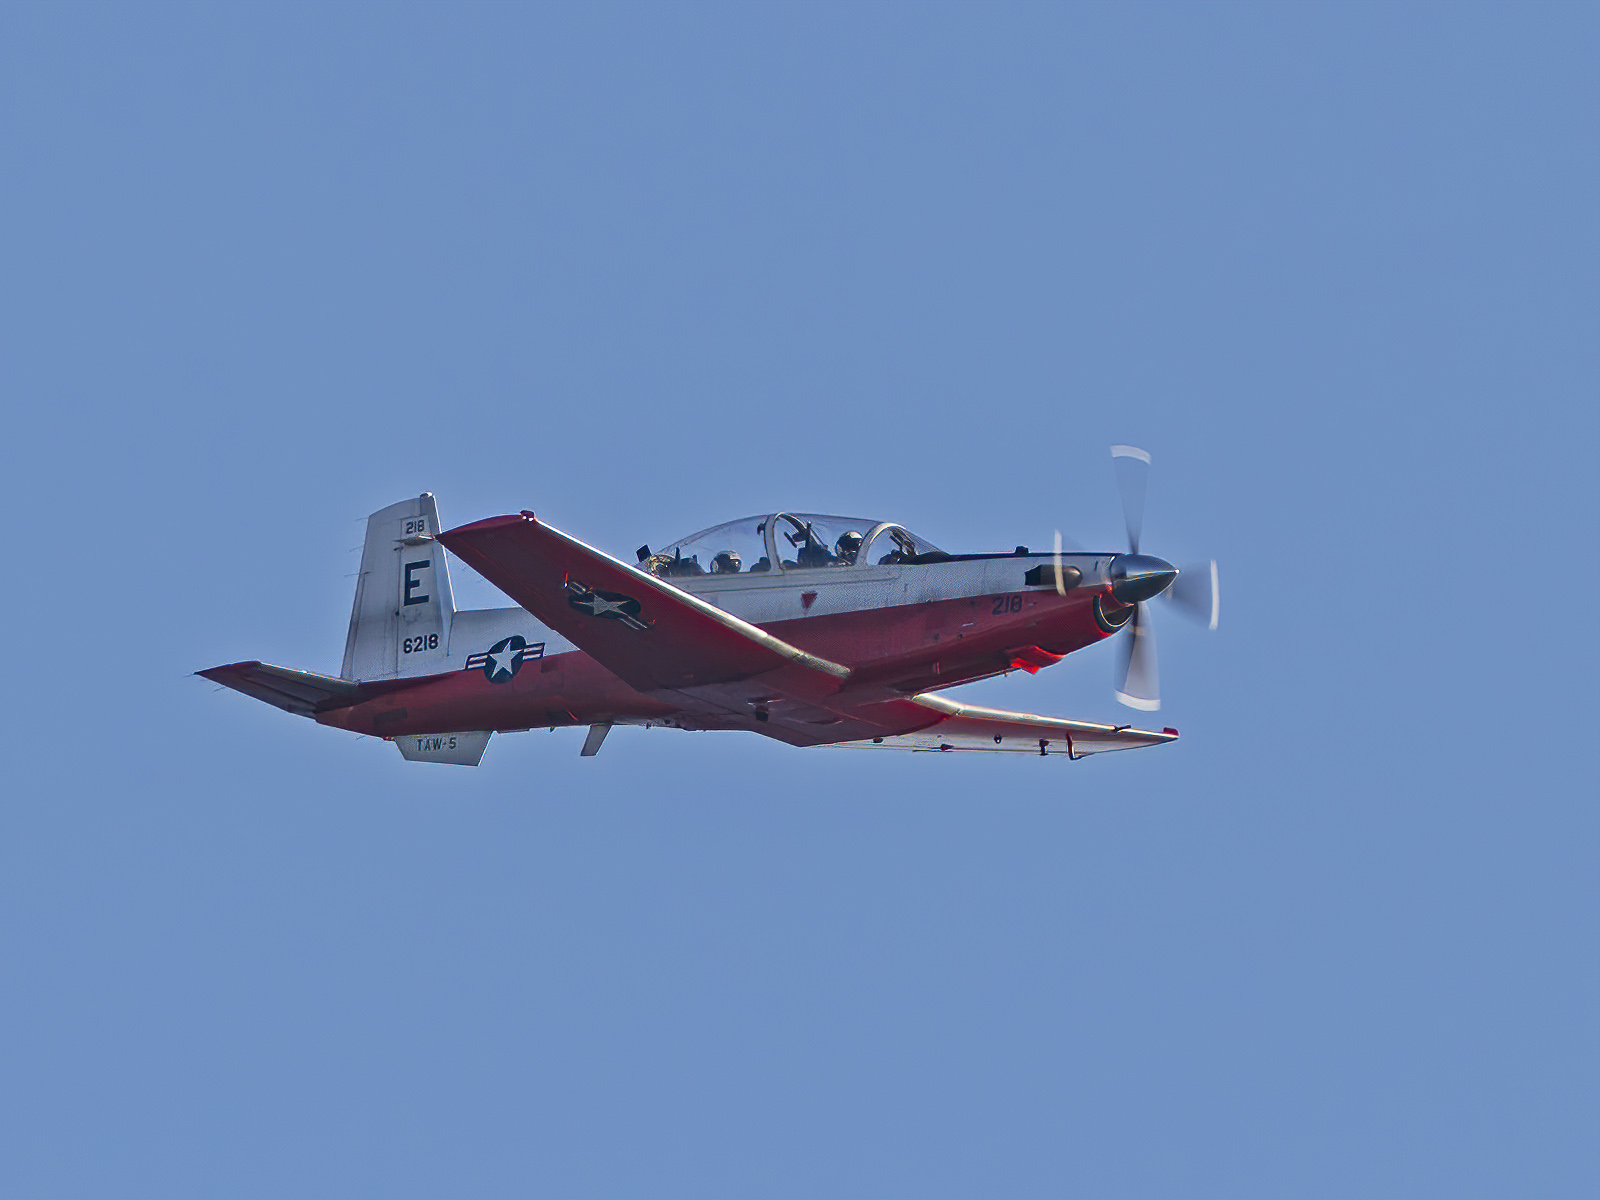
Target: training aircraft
[(812, 630)]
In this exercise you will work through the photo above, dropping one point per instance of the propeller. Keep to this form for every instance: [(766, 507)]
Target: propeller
[(1066, 577), (1195, 594), (1140, 686), (1132, 466), (1138, 578)]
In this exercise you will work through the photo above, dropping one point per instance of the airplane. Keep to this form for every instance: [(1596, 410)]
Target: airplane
[(809, 629)]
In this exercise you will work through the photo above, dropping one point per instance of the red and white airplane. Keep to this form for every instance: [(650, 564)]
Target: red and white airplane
[(813, 630)]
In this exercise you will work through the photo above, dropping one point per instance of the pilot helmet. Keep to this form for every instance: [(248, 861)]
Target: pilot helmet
[(848, 545), (726, 562)]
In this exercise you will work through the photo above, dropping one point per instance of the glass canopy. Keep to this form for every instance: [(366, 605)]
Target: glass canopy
[(794, 541)]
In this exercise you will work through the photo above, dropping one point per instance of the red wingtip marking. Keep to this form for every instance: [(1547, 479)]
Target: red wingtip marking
[(1171, 730)]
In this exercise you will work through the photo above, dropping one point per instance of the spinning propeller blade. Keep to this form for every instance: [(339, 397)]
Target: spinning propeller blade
[(1140, 686), (1196, 595), (1139, 578), (1133, 473)]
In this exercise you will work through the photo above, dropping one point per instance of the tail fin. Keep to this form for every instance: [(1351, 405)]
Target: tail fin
[(400, 625)]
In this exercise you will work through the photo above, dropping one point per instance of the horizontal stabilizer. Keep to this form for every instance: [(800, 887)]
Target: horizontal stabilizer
[(304, 693)]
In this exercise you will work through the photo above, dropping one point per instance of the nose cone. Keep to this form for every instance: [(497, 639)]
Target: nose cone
[(1136, 577)]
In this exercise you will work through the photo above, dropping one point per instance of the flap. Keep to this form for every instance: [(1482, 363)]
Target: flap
[(975, 727)]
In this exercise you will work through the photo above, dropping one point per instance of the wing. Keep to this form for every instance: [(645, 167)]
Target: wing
[(651, 634), (956, 726)]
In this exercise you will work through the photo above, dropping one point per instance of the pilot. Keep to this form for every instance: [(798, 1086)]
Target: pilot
[(846, 548), (726, 562), (812, 554)]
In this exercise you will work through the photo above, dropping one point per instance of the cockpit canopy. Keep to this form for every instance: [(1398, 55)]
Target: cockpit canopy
[(794, 541)]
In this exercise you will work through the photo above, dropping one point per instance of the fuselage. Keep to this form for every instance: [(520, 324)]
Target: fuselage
[(901, 628)]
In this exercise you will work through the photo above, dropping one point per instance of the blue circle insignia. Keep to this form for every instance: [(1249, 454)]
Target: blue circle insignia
[(504, 659)]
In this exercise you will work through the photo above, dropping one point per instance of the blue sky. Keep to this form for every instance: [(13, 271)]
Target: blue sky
[(643, 269)]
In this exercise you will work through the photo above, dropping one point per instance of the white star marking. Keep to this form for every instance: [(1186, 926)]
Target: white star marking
[(503, 660), (600, 606)]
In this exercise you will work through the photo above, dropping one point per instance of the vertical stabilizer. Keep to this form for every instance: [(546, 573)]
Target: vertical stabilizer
[(400, 625)]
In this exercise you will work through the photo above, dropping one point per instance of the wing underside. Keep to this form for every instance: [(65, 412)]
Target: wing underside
[(976, 727)]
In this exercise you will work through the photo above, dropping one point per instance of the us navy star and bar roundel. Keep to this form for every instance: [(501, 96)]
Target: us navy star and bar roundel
[(504, 659), (614, 606)]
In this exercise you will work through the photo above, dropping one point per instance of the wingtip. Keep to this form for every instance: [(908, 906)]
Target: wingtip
[(484, 525), (221, 668)]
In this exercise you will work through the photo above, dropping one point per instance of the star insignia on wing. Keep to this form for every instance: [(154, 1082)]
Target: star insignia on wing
[(613, 606)]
